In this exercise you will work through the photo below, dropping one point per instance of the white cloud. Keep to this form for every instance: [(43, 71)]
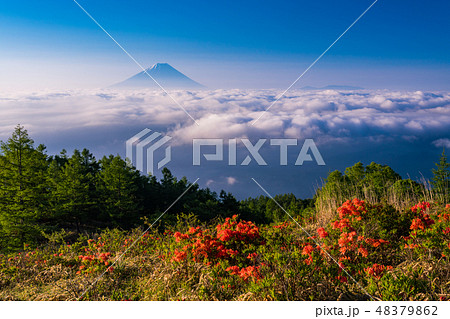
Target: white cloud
[(231, 180), (324, 115), (442, 142)]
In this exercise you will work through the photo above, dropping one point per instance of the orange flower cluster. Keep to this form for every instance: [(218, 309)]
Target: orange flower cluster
[(349, 243), (444, 217), (427, 229), (376, 242), (308, 249), (232, 230), (423, 220), (204, 247), (94, 257), (411, 246), (322, 232), (179, 255), (179, 236), (352, 209), (342, 279), (286, 224), (93, 260), (421, 207), (417, 224), (224, 248), (377, 271), (342, 224), (104, 257), (246, 272)]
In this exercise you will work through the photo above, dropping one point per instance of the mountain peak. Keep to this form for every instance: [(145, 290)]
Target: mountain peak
[(166, 75), (160, 65)]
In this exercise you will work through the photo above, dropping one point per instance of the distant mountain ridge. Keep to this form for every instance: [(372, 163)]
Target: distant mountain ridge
[(166, 75), (333, 87)]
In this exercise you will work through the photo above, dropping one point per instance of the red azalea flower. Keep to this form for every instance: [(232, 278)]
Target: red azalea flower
[(308, 249)]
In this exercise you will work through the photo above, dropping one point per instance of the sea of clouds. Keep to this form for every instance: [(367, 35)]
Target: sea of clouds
[(326, 115), (406, 130)]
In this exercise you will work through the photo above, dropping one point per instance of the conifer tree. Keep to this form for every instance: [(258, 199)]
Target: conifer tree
[(441, 178), (73, 196), (119, 191), (23, 189)]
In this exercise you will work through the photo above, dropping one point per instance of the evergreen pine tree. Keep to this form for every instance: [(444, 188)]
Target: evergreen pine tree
[(23, 189), (441, 178), (73, 189), (119, 191)]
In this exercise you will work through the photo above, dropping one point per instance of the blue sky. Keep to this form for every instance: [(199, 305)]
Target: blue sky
[(397, 44), (399, 48)]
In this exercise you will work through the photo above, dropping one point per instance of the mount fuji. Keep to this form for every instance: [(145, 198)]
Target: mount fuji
[(167, 76)]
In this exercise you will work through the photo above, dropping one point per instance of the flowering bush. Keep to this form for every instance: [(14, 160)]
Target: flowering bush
[(92, 263), (429, 232), (391, 254), (377, 271), (233, 243)]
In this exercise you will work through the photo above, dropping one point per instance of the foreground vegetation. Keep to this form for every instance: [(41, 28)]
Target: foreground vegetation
[(74, 228), (382, 254)]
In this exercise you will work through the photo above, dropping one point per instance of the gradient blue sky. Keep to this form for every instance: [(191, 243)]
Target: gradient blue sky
[(246, 44)]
